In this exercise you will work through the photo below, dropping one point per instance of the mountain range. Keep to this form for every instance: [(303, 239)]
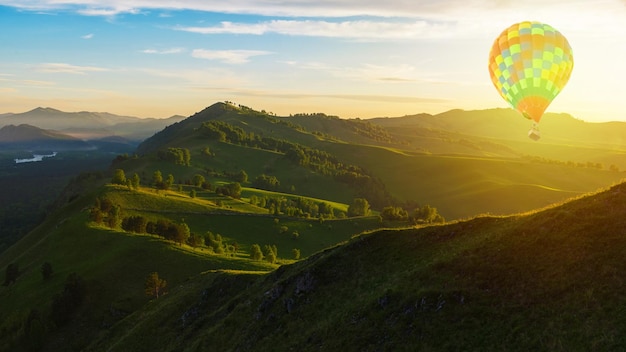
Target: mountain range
[(89, 125), (353, 253)]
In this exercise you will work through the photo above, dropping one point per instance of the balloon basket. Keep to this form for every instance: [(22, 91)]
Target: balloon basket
[(534, 133)]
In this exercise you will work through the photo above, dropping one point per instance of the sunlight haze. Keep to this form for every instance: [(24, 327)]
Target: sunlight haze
[(158, 58)]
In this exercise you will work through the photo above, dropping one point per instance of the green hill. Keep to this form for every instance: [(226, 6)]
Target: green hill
[(548, 280), (197, 199), (114, 263), (448, 161)]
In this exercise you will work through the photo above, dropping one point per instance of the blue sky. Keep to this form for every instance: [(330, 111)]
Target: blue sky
[(157, 58)]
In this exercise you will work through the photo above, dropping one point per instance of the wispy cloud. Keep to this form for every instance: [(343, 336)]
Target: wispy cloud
[(301, 8), (228, 56), (31, 82), (87, 36), (67, 68), (364, 72), (164, 51), (361, 29)]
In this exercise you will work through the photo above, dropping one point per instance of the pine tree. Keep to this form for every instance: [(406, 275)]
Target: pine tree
[(155, 286)]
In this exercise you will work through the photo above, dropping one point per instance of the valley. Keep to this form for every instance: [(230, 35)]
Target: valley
[(286, 229)]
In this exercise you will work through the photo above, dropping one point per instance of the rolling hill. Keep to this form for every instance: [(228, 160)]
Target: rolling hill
[(500, 275), (461, 174), (547, 280)]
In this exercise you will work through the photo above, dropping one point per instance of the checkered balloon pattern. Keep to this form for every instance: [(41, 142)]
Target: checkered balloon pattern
[(529, 64)]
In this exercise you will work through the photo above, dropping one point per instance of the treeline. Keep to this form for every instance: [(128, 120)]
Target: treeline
[(317, 160), (588, 164), (298, 207), (424, 214), (105, 213)]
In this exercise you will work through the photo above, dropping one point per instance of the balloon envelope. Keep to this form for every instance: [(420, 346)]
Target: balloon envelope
[(529, 64)]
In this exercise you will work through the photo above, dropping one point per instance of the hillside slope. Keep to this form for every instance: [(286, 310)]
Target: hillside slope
[(549, 280), (424, 159)]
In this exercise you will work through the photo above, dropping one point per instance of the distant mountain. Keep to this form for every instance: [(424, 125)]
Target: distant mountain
[(90, 125), (27, 137), (507, 124)]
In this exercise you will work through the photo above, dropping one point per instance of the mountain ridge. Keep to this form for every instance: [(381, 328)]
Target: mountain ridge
[(90, 125)]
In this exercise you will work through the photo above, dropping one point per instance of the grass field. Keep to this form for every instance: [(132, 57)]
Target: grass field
[(546, 280)]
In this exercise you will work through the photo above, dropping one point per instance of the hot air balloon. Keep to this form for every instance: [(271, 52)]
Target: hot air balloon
[(529, 64)]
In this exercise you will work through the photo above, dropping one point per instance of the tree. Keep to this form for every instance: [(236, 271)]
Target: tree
[(46, 270), (157, 179), (198, 180), (296, 253), (241, 177), (114, 219), (11, 274), (169, 181), (182, 234), (195, 240), (154, 285), (192, 193), (271, 253), (135, 181), (119, 177), (65, 304), (359, 207), (231, 190), (255, 252), (427, 214), (394, 213)]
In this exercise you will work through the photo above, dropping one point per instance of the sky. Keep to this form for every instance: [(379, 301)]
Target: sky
[(350, 58)]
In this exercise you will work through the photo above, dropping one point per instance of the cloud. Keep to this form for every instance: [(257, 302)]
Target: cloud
[(364, 72), (67, 68), (228, 56), (164, 51), (87, 36), (360, 29), (300, 8)]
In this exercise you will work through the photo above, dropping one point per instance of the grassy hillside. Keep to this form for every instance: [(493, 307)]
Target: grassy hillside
[(114, 263), (548, 280), (488, 283)]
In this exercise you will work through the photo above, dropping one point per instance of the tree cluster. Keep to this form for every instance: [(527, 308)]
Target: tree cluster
[(104, 212), (297, 207), (269, 253), (163, 184), (119, 178), (169, 230), (216, 243), (232, 190), (178, 156), (267, 182), (424, 214), (359, 207)]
